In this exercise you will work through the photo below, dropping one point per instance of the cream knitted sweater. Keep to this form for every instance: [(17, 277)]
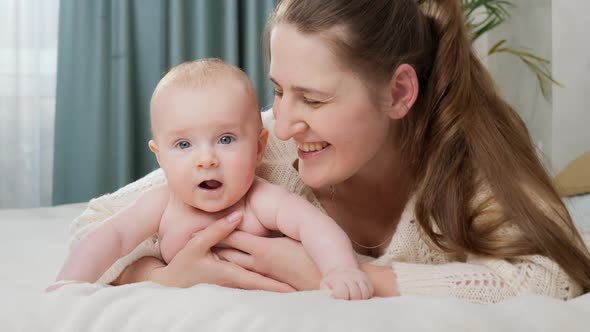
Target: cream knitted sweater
[(420, 267)]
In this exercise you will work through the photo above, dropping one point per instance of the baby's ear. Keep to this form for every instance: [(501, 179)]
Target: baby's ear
[(262, 140), (154, 148)]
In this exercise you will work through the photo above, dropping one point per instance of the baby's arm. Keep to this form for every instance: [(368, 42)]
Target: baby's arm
[(116, 237), (327, 244)]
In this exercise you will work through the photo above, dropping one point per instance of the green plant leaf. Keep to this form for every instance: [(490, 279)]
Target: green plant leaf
[(537, 65), (482, 16), (496, 46)]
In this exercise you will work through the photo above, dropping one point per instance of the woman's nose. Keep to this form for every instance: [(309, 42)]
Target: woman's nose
[(288, 122), (206, 160)]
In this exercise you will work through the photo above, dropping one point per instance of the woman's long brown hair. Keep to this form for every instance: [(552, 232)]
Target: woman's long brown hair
[(475, 170)]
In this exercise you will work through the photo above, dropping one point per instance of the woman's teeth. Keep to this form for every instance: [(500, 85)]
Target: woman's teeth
[(311, 147)]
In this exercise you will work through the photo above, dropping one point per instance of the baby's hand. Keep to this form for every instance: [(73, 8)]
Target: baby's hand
[(348, 284)]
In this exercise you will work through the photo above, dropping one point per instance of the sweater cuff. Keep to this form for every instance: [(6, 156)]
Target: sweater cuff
[(421, 279)]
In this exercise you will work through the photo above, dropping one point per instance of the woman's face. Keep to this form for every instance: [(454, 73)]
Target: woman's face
[(333, 117)]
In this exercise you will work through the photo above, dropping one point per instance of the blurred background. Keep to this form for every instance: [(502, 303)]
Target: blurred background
[(76, 77)]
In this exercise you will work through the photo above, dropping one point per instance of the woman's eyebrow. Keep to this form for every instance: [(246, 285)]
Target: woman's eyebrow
[(304, 89)]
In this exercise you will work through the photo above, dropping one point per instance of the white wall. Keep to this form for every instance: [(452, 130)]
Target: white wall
[(528, 29), (556, 30), (571, 65)]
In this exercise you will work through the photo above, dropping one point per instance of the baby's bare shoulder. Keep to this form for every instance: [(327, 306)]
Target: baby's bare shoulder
[(264, 200), (261, 185)]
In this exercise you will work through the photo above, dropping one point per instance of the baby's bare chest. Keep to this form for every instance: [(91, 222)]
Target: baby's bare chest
[(179, 223)]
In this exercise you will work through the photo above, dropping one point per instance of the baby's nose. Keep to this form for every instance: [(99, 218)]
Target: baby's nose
[(207, 161)]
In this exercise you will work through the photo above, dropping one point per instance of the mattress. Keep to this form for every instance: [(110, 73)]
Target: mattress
[(35, 244)]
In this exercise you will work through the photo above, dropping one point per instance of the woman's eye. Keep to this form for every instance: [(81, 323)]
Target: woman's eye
[(226, 139), (183, 145), (278, 93), (311, 102)]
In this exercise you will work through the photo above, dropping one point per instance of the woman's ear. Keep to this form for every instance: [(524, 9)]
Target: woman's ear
[(262, 140), (154, 149), (403, 90)]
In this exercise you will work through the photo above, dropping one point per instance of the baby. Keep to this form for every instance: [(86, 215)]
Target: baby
[(208, 139)]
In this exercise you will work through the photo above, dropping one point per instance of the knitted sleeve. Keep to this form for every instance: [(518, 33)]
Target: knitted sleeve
[(101, 208), (423, 269), (485, 280)]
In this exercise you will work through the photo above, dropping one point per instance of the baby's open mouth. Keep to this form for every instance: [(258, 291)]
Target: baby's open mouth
[(210, 184)]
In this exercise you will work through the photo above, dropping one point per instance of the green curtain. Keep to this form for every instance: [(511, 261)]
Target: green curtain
[(111, 54)]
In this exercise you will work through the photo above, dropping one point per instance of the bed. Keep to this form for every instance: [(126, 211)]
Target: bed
[(34, 245)]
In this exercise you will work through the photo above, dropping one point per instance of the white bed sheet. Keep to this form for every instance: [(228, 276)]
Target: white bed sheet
[(34, 246)]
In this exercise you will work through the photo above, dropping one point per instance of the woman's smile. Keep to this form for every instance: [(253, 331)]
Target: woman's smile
[(307, 151), (311, 147)]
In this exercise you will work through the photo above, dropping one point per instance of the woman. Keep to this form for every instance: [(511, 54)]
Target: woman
[(385, 118)]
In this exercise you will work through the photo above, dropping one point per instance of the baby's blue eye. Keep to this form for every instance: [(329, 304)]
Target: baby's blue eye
[(183, 145), (226, 139)]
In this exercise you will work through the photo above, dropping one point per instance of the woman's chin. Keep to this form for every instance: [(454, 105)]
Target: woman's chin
[(313, 179)]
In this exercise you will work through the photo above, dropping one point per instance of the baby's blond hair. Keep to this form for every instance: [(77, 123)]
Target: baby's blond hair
[(199, 73)]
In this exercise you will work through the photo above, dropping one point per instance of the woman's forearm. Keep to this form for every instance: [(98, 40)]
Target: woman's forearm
[(139, 271), (383, 278)]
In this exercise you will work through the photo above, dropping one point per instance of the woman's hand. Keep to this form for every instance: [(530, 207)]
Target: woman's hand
[(285, 260), (383, 278), (282, 259), (197, 264)]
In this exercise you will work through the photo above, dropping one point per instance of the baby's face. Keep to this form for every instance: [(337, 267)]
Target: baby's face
[(208, 141)]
